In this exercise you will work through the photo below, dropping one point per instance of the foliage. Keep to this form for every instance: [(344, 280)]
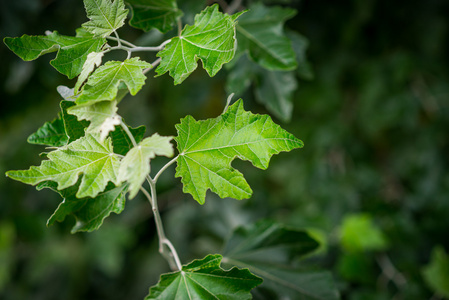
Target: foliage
[(92, 169), (372, 113)]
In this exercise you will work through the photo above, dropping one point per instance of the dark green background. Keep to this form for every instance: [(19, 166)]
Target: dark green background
[(374, 121)]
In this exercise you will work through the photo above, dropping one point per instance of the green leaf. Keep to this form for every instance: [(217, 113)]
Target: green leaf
[(436, 273), (136, 164), (93, 60), (204, 279), (50, 134), (105, 16), (269, 249), (260, 32), (300, 45), (88, 212), (72, 51), (73, 128), (359, 233), (122, 143), (210, 39), (149, 14), (208, 147), (87, 156), (275, 90), (103, 84), (102, 116)]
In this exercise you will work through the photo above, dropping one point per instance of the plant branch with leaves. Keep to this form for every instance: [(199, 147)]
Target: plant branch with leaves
[(97, 160)]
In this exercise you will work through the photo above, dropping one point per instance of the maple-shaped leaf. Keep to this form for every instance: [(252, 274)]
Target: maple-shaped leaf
[(50, 134), (105, 16), (210, 39), (204, 279), (88, 212), (271, 250), (208, 147), (260, 32), (121, 141), (103, 84), (148, 14), (93, 60), (74, 129), (87, 156), (136, 164), (102, 116), (72, 51)]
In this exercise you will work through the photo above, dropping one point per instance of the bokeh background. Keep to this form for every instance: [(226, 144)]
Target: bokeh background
[(372, 181)]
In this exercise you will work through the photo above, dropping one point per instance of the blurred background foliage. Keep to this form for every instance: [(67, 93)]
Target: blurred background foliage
[(371, 183)]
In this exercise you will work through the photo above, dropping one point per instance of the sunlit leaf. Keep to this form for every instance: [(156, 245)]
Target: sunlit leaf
[(260, 32), (149, 14), (204, 279), (88, 212), (87, 156), (105, 16), (136, 164), (50, 134), (104, 82), (72, 51), (269, 250), (208, 147), (210, 39)]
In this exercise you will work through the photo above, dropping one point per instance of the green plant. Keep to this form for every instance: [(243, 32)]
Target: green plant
[(97, 159)]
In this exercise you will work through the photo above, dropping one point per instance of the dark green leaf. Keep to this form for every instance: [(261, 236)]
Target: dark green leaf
[(73, 128), (88, 212), (269, 249), (149, 14), (120, 140), (260, 32), (72, 51), (204, 279), (50, 134), (300, 45)]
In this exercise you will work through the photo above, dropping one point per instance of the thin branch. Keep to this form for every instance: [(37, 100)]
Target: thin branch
[(164, 168), (153, 65), (128, 133), (121, 41)]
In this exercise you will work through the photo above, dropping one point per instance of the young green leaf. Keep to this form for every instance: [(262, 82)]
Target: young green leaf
[(211, 39), (87, 155), (102, 116), (208, 147), (105, 16), (204, 279), (260, 33), (103, 84), (93, 60), (50, 134), (269, 250), (149, 14), (136, 164), (88, 212), (72, 51)]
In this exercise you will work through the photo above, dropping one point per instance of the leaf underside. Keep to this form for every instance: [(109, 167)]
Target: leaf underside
[(210, 39), (204, 279), (149, 14), (208, 147)]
